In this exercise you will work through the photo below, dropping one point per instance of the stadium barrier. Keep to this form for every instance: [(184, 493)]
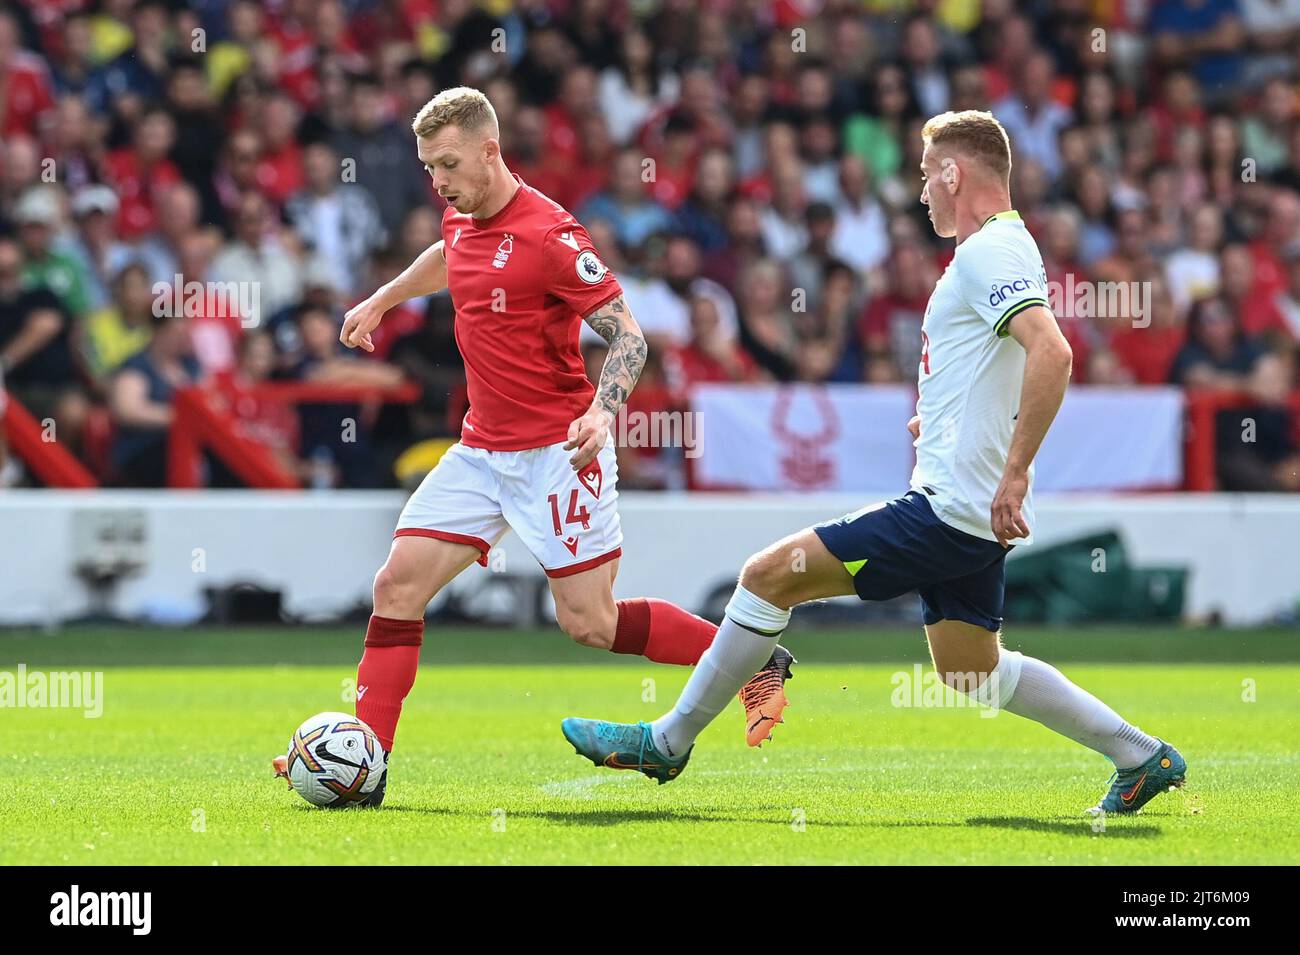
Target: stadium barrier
[(151, 556), (50, 461), (199, 424)]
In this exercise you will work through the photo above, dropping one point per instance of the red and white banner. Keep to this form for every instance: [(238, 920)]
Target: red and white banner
[(804, 437), (854, 438)]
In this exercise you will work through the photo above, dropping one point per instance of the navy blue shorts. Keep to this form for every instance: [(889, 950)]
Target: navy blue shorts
[(901, 545)]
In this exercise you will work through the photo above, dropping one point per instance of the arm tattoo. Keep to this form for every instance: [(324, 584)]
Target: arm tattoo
[(627, 353)]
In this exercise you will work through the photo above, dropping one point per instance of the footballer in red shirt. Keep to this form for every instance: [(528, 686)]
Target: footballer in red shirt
[(534, 454)]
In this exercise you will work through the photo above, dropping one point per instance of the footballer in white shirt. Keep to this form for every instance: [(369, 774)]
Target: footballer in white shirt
[(993, 372)]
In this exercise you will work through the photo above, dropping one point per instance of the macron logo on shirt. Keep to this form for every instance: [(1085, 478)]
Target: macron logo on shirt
[(568, 239)]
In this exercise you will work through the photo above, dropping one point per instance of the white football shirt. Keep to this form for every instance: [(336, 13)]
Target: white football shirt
[(971, 372)]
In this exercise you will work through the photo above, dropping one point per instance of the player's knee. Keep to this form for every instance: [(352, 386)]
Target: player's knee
[(397, 593), (767, 575), (587, 628)]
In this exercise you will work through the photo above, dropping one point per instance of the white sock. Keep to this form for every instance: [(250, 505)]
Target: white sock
[(1043, 694), (744, 643)]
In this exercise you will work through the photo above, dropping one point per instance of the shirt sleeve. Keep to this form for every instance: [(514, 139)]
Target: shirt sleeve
[(574, 272), (1000, 282)]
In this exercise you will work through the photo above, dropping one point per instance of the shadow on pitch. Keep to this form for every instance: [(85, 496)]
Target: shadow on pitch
[(617, 817), (1069, 826)]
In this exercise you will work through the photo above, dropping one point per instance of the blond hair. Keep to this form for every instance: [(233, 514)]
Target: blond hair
[(463, 107), (974, 133)]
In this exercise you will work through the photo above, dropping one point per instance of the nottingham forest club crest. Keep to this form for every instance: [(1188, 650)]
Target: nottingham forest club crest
[(805, 459)]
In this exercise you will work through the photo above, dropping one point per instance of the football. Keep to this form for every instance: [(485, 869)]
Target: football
[(335, 760)]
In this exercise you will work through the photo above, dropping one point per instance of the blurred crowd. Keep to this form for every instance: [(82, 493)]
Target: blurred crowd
[(748, 168)]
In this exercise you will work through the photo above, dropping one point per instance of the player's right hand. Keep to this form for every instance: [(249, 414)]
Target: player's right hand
[(359, 322), (914, 426)]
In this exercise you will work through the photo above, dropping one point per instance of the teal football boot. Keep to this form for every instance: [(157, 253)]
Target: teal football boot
[(1131, 789), (622, 746)]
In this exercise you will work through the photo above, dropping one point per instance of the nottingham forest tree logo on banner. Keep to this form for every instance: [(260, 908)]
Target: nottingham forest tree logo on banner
[(806, 459)]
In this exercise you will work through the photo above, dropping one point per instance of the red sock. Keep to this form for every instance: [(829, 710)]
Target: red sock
[(662, 632), (387, 673)]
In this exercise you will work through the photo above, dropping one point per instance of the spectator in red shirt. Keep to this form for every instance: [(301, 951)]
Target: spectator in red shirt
[(140, 173), (1254, 306), (711, 355), (24, 83), (1145, 346)]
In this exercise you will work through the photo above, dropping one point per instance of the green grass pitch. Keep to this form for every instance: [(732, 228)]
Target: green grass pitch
[(177, 768)]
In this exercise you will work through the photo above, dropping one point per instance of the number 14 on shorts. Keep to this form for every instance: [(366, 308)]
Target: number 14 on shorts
[(575, 514)]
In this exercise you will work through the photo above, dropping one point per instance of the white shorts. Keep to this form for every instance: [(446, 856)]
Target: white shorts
[(568, 520)]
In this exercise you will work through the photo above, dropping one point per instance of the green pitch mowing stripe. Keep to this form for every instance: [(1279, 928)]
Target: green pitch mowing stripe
[(176, 771)]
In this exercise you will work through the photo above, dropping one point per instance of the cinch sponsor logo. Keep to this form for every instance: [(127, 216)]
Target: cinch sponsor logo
[(103, 908), (1002, 292)]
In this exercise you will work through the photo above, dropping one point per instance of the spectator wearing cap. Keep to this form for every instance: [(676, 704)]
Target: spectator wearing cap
[(94, 245), (338, 220), (38, 216)]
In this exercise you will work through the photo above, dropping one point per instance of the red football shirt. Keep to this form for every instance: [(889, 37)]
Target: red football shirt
[(521, 282)]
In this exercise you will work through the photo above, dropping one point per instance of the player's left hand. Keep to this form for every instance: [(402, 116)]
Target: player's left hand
[(588, 435), (1005, 516)]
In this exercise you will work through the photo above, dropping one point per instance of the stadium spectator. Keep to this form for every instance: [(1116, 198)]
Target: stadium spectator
[(381, 154), (625, 204), (140, 400), (120, 329), (860, 236), (38, 215), (338, 220), (711, 354), (1216, 353), (1256, 445), (94, 245), (1130, 167), (256, 255)]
